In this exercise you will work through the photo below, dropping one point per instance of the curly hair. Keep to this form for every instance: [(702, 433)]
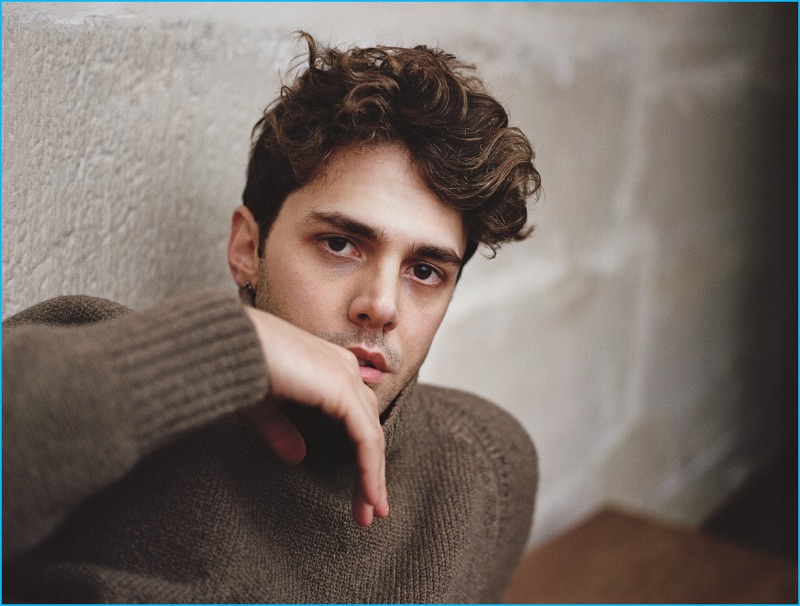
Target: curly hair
[(425, 99)]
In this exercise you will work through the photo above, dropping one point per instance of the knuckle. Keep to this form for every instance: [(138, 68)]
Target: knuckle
[(336, 406), (347, 355), (372, 399), (376, 438)]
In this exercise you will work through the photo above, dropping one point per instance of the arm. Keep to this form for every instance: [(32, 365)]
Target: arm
[(516, 465), (82, 404), (499, 446)]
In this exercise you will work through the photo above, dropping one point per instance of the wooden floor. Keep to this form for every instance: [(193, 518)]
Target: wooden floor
[(746, 552), (618, 557)]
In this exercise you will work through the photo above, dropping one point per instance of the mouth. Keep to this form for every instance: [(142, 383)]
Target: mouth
[(372, 365)]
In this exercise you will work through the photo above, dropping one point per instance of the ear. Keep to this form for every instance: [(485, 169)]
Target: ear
[(243, 247)]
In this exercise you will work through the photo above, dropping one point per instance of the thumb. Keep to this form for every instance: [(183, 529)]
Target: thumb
[(279, 433)]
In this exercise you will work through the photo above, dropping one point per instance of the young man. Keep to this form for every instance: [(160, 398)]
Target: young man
[(128, 477)]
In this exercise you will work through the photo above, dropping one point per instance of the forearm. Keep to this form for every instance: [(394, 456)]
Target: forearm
[(81, 405)]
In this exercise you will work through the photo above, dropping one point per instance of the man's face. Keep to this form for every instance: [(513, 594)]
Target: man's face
[(365, 257)]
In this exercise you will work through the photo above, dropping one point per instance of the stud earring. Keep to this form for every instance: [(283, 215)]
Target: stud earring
[(248, 293)]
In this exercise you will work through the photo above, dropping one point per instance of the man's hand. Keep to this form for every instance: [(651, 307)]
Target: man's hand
[(311, 371)]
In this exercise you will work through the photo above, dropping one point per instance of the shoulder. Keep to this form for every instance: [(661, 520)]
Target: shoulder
[(464, 417), (457, 408), (493, 467), (67, 310)]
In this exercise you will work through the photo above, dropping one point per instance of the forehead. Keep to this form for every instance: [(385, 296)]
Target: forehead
[(379, 186)]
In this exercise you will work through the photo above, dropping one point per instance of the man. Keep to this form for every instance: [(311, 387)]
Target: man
[(141, 458)]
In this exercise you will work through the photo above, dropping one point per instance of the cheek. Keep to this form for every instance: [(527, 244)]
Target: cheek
[(311, 300), (296, 292), (420, 330)]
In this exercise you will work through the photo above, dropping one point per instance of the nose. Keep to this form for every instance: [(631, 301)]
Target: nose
[(374, 303)]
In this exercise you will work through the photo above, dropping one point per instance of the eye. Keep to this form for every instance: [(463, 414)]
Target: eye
[(339, 246), (336, 243), (426, 273)]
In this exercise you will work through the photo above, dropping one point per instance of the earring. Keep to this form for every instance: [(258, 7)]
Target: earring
[(248, 293)]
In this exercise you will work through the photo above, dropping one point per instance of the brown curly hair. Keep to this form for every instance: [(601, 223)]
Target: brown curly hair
[(456, 133)]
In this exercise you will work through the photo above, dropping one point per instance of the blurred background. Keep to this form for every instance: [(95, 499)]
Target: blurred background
[(645, 335)]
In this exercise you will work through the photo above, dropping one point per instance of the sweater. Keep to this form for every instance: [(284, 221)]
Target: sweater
[(128, 477)]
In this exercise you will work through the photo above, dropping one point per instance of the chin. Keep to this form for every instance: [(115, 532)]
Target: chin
[(387, 394)]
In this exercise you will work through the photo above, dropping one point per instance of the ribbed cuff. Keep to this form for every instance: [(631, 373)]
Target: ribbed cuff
[(185, 363)]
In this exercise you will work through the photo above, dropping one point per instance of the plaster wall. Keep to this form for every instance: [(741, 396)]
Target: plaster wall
[(638, 335)]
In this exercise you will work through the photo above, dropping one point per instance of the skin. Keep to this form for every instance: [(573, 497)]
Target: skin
[(359, 267)]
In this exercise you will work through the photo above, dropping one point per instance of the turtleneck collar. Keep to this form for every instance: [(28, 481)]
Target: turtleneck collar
[(394, 420), (327, 443)]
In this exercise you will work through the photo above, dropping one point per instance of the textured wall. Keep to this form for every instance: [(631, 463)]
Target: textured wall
[(639, 335)]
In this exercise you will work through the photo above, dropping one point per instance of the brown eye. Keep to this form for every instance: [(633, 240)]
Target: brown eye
[(422, 271), (337, 243)]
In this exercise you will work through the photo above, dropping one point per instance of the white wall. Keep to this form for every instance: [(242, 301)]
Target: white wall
[(638, 335)]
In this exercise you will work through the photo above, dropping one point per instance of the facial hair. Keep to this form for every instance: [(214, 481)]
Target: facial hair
[(265, 300)]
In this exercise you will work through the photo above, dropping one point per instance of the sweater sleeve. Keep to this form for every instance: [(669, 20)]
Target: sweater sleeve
[(82, 404)]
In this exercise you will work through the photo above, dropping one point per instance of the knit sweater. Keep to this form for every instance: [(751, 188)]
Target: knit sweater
[(128, 477)]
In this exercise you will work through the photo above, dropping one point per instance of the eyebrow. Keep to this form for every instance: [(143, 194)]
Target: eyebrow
[(346, 224), (349, 225), (439, 254)]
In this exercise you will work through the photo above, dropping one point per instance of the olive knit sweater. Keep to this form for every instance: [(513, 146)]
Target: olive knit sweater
[(127, 477)]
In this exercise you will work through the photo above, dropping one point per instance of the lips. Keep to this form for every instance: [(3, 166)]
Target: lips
[(372, 364), (369, 358)]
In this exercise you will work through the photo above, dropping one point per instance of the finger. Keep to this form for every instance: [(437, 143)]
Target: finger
[(362, 511), (382, 508), (380, 503), (362, 422), (279, 433), (367, 435)]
